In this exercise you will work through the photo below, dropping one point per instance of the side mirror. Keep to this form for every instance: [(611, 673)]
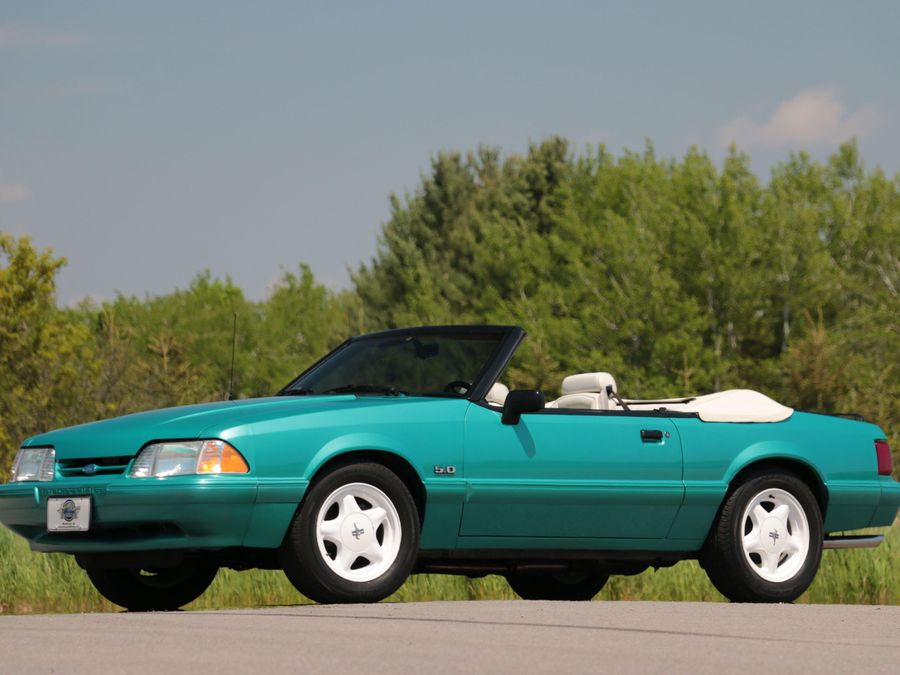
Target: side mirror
[(521, 401)]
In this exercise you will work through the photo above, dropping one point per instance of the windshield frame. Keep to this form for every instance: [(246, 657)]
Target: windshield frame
[(511, 337)]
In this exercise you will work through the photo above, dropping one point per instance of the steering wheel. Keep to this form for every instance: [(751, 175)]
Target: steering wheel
[(458, 387)]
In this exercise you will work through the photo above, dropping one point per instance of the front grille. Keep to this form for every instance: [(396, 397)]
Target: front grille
[(105, 466)]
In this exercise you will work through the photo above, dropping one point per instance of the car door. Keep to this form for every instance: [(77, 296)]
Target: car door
[(571, 473)]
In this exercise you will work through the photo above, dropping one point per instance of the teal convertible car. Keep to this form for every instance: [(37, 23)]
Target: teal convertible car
[(402, 452)]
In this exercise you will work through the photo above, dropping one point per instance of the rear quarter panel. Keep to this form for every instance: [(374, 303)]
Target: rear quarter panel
[(839, 451)]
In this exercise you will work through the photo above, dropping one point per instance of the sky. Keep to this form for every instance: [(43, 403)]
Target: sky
[(147, 142)]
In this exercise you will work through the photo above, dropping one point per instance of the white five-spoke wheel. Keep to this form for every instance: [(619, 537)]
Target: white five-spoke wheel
[(355, 537), (359, 532), (767, 543), (776, 535)]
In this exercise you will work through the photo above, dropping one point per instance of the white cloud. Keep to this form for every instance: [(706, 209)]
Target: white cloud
[(812, 117), (11, 193), (18, 36)]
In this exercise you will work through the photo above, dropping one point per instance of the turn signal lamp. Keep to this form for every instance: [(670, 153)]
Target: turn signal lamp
[(220, 457)]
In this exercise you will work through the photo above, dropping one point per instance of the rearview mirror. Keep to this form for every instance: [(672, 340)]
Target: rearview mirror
[(521, 401)]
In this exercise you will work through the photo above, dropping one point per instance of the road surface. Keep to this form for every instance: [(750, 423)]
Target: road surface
[(463, 637)]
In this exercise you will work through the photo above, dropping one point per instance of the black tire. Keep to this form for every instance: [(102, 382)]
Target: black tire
[(304, 559), (162, 590), (556, 586), (737, 574)]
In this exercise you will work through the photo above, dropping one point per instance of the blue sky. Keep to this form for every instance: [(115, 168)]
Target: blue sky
[(147, 142)]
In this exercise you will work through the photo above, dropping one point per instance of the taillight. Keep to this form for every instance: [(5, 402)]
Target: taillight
[(883, 452)]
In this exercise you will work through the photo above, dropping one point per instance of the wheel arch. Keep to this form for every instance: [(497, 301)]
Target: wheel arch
[(728, 569), (390, 460), (793, 465)]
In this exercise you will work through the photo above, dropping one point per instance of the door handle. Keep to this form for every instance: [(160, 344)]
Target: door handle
[(651, 435)]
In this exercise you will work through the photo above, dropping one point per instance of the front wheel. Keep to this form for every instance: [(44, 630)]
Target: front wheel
[(356, 537), (162, 590), (556, 586), (767, 543)]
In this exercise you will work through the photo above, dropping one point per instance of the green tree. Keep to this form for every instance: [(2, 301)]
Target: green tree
[(43, 358), (678, 276), (300, 321)]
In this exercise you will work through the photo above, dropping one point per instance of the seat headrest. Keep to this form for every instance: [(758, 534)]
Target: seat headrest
[(588, 383), (497, 394)]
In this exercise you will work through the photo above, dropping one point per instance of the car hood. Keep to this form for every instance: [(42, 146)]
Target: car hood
[(124, 436)]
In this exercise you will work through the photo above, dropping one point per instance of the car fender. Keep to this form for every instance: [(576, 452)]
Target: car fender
[(445, 494), (279, 498), (770, 450), (354, 442)]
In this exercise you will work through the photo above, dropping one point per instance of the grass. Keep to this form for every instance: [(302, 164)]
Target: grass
[(37, 583)]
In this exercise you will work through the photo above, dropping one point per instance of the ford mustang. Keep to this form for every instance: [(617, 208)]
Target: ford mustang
[(402, 452)]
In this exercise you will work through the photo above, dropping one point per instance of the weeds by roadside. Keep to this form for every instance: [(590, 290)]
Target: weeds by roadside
[(37, 583)]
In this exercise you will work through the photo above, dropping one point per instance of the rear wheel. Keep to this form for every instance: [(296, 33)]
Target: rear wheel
[(767, 543), (356, 537), (557, 585), (144, 591)]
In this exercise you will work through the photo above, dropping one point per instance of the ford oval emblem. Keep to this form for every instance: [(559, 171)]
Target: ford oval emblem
[(90, 469)]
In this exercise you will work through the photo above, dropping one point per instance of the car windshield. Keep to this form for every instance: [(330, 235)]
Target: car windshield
[(410, 365)]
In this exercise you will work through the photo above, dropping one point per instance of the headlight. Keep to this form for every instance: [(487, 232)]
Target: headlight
[(33, 464), (183, 458)]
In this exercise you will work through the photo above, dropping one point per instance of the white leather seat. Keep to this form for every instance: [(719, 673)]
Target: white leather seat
[(586, 391), (578, 402), (588, 383), (497, 394)]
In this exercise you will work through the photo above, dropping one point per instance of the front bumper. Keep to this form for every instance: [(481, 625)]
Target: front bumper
[(184, 512)]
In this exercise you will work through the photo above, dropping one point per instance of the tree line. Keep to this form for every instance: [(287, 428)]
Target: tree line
[(677, 275)]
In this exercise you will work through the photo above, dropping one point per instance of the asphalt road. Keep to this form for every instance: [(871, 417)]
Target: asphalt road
[(463, 637)]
